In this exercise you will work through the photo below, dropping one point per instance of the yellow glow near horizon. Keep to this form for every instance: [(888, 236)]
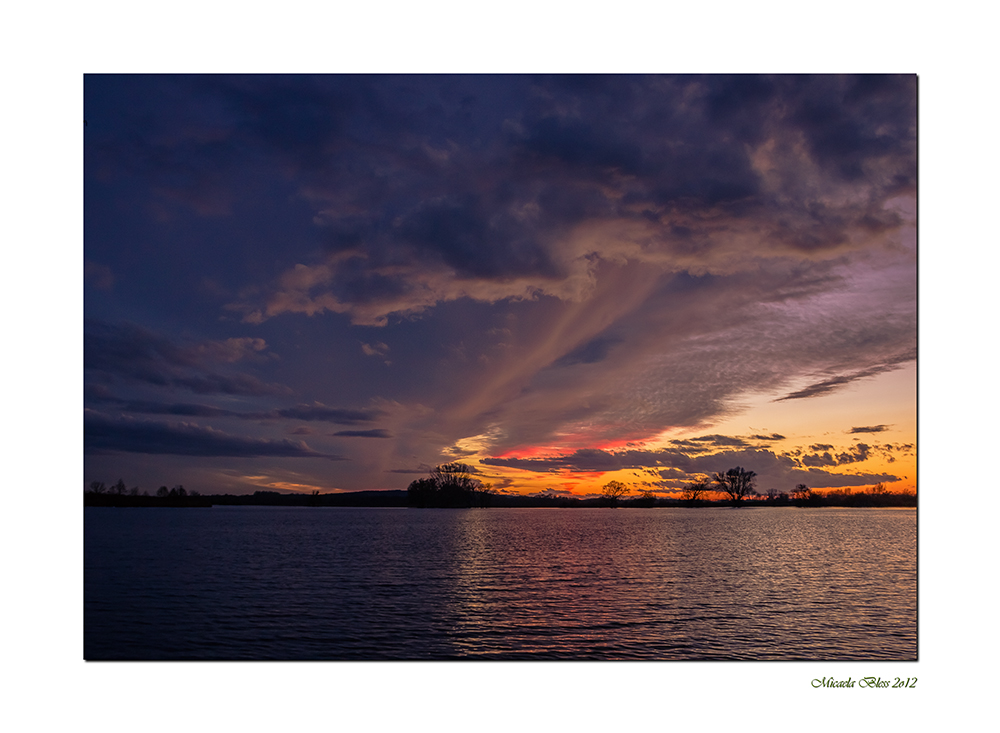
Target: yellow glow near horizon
[(886, 401)]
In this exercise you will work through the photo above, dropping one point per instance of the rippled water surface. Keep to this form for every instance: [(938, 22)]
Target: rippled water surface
[(393, 583)]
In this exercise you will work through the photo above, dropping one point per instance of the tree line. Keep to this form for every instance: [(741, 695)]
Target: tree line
[(738, 486), (99, 494), (455, 485)]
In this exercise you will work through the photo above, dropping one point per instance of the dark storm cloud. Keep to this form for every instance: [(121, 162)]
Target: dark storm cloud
[(298, 117), (180, 408), (426, 187), (376, 433), (103, 435), (131, 353), (838, 120), (580, 145), (325, 414), (476, 239), (315, 412)]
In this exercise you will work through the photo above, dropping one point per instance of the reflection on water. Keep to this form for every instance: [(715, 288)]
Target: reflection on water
[(286, 583)]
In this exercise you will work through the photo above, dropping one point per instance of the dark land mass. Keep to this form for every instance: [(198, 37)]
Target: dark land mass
[(455, 486), (124, 500), (398, 498)]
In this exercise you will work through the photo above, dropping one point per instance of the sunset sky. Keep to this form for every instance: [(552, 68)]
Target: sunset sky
[(335, 283)]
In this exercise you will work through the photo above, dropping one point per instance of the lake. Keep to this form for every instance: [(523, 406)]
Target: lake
[(283, 583)]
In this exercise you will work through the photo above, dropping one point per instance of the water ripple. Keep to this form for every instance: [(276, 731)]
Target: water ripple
[(287, 583)]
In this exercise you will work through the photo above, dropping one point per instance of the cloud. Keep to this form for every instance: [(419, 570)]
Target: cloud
[(376, 433), (708, 443), (177, 408), (772, 436), (103, 435), (825, 455), (596, 350), (685, 174), (376, 349), (829, 385), (326, 414), (424, 470), (134, 354), (554, 493), (773, 470), (870, 429), (229, 350), (560, 262), (314, 412)]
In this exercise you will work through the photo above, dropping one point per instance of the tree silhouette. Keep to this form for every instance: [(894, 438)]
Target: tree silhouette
[(694, 492), (802, 495), (646, 498), (613, 491), (736, 483), (449, 485), (458, 475)]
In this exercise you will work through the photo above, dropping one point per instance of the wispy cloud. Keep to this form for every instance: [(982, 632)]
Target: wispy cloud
[(310, 413), (829, 385), (374, 433), (102, 435), (129, 352)]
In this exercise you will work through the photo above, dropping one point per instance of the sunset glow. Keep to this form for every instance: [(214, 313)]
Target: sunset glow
[(336, 283)]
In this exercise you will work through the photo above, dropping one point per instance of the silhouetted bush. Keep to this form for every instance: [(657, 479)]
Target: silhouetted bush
[(450, 485)]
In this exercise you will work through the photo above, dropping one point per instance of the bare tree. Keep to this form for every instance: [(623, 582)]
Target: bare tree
[(613, 491), (736, 483), (694, 492), (457, 475), (801, 493), (450, 485), (646, 498)]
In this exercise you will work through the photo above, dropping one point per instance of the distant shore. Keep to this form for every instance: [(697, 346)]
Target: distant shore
[(399, 498)]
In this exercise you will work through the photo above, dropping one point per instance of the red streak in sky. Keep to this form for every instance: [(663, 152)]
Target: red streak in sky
[(570, 445)]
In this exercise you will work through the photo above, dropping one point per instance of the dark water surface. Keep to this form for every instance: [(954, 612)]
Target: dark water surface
[(388, 583)]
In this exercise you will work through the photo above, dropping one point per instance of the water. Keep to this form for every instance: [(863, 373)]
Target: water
[(390, 583)]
